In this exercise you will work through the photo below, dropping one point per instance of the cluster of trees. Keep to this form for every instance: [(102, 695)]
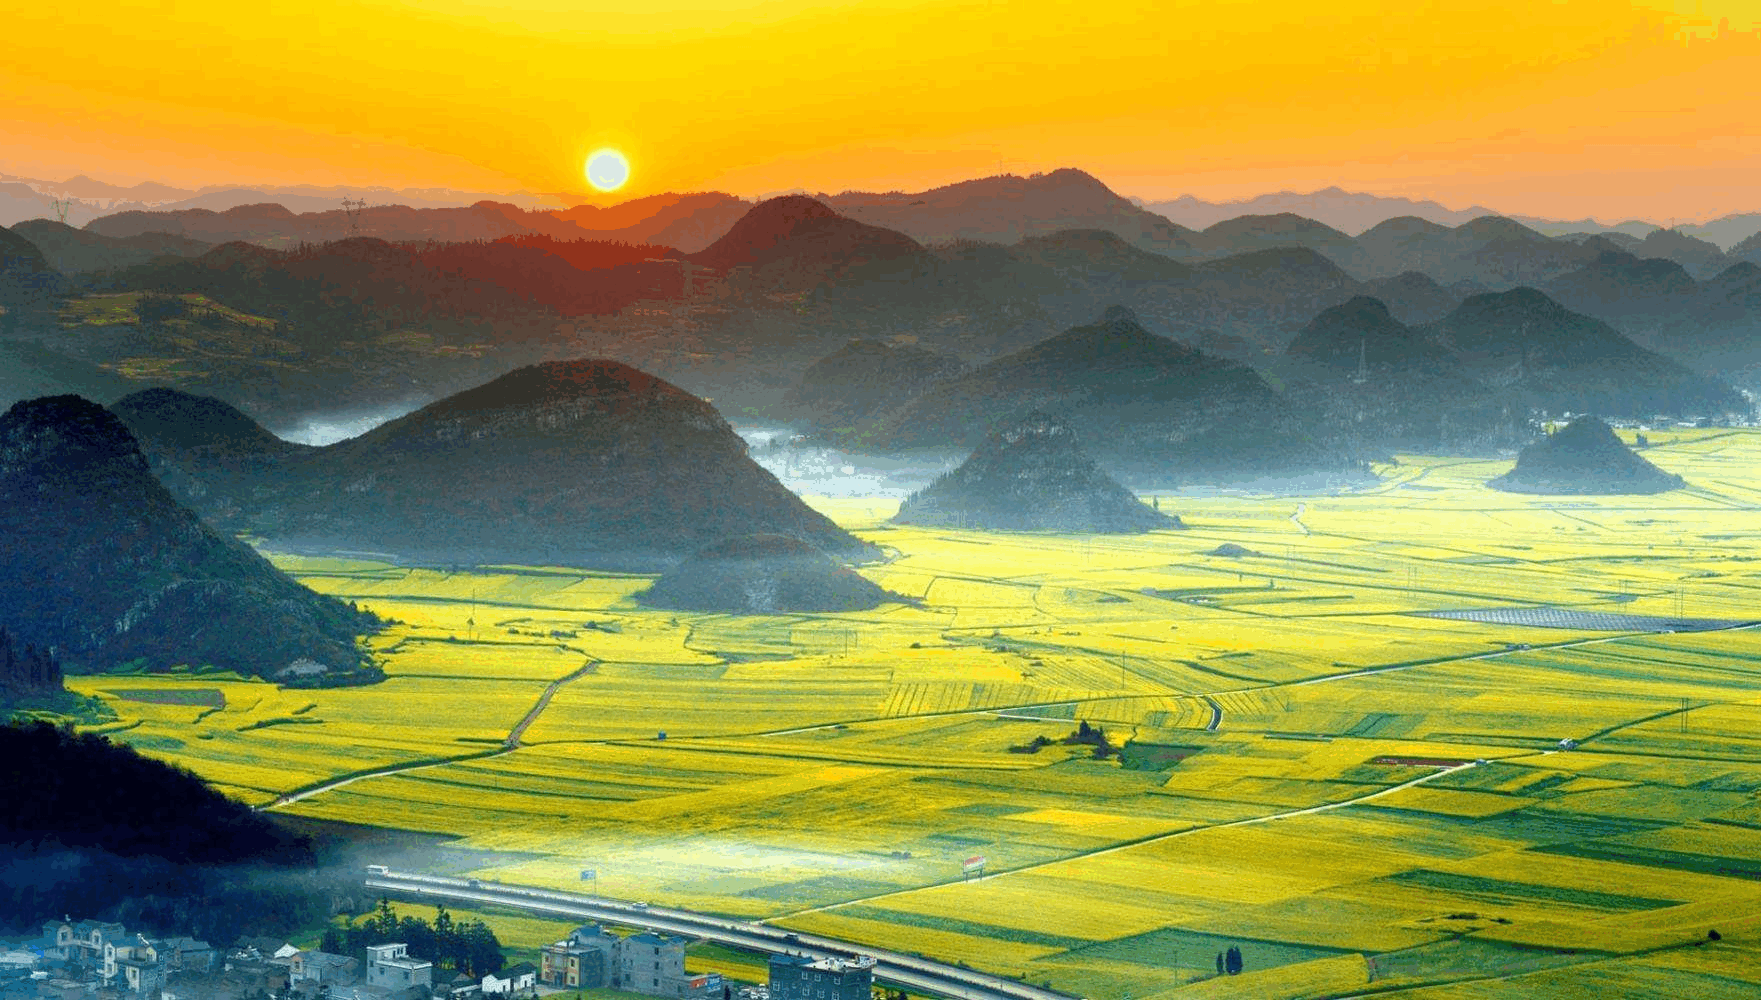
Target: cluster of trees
[(1229, 962), (26, 671), (82, 790), (1092, 736), (467, 946), (93, 828)]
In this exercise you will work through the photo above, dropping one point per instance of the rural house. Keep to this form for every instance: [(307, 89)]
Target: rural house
[(797, 977), (390, 966)]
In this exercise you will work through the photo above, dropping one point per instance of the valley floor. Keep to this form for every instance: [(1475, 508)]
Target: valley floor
[(1363, 798)]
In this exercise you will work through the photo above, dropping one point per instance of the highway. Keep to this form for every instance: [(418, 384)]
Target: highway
[(909, 971)]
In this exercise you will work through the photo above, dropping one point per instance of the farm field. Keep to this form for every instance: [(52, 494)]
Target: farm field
[(1360, 798)]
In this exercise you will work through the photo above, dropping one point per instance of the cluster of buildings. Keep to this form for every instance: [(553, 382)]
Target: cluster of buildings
[(592, 957), (651, 963), (95, 960), (72, 960)]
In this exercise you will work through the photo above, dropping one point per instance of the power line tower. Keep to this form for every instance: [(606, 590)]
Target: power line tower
[(1363, 367), (61, 207), (354, 210)]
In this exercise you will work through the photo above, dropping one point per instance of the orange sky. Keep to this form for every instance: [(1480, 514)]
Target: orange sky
[(1565, 108)]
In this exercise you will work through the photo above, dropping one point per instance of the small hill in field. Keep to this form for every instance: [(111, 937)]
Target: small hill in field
[(1584, 457), (1033, 476), (575, 463), (763, 574)]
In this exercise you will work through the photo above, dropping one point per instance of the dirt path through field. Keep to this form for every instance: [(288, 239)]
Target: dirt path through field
[(519, 730), (511, 744)]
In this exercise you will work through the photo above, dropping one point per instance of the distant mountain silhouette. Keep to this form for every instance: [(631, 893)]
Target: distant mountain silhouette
[(1373, 383), (1492, 250), (102, 564), (687, 222), (76, 251), (1362, 333), (1699, 257), (864, 379), (1617, 285), (1412, 297), (795, 243), (1285, 229), (1726, 231), (1007, 209), (270, 223), (1584, 458), (1143, 403), (149, 192), (763, 574), (1565, 361), (580, 463), (1032, 476), (1347, 211), (1748, 250)]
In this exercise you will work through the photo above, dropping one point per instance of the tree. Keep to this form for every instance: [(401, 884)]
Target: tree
[(385, 921), (1219, 963), (482, 949), (1232, 961), (333, 942)]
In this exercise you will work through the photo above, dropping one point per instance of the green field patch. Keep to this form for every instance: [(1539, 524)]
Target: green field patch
[(1495, 890), (1653, 857), (1138, 756), (957, 838), (969, 928), (1176, 947), (206, 697), (816, 890), (1385, 724), (285, 720), (992, 809), (1466, 957)]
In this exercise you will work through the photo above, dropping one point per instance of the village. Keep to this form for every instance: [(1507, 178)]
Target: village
[(97, 960)]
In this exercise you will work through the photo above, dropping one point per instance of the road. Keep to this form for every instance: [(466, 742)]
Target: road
[(908, 971)]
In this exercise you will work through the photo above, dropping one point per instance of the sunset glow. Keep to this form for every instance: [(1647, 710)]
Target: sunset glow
[(1570, 107)]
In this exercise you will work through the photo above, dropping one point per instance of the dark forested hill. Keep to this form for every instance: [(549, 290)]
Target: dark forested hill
[(102, 564), (1141, 402), (582, 463), (1032, 476)]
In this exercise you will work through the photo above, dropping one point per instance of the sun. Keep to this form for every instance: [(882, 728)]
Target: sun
[(607, 170)]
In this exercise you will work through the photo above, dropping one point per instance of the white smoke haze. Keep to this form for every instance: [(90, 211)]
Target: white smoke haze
[(813, 469), (328, 428)]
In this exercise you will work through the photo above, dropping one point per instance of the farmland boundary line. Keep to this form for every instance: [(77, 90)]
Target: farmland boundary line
[(1142, 841)]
